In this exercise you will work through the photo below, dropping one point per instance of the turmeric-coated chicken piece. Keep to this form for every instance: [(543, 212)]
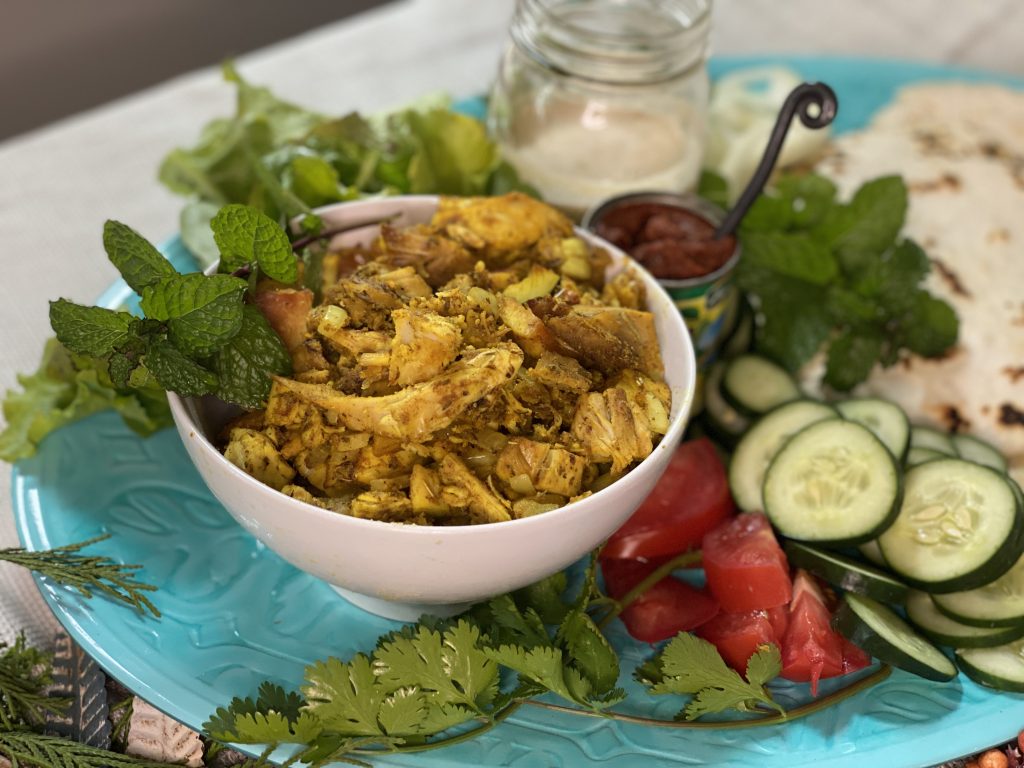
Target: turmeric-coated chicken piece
[(464, 489), (651, 398), (424, 345), (561, 372), (437, 258), (527, 329), (255, 453), (506, 224), (609, 339), (367, 299), (419, 410), (550, 468), (609, 429), (389, 506)]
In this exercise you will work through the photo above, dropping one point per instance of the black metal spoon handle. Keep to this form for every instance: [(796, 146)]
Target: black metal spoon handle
[(798, 102)]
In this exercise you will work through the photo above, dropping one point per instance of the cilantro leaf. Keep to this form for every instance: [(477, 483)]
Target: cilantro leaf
[(542, 665), (245, 235), (92, 331), (344, 696), (690, 665), (177, 373), (545, 596), (591, 653), (402, 711), (202, 312), (244, 365), (452, 666), (274, 717), (314, 180), (139, 263), (65, 389)]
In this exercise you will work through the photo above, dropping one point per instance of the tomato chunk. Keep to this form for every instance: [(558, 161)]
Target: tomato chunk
[(691, 498), (745, 567), (811, 650), (669, 607), (737, 636)]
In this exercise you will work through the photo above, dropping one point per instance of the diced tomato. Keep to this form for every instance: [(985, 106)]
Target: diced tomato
[(738, 635), (854, 658), (691, 498), (663, 611), (745, 567), (811, 650)]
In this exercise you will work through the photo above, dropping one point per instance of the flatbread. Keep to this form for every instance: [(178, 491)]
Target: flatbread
[(960, 148)]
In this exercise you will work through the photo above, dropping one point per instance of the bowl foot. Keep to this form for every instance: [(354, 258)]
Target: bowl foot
[(399, 611)]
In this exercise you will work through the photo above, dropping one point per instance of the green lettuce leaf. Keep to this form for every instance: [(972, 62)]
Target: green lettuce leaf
[(67, 388)]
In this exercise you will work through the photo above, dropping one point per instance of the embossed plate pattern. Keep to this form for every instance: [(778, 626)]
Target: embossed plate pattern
[(235, 614)]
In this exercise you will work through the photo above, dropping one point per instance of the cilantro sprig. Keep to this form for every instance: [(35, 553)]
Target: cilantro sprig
[(838, 276), (197, 335)]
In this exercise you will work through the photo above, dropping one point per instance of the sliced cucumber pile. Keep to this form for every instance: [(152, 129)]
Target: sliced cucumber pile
[(929, 510), (881, 632), (833, 482)]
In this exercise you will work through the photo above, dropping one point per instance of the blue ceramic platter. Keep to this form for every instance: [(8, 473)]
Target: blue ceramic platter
[(235, 614)]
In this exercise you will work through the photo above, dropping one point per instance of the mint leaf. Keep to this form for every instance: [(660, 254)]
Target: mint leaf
[(810, 198), (713, 188), (202, 312), (796, 321), (92, 331), (851, 357), (177, 373), (314, 180), (869, 224), (930, 326), (139, 263), (793, 255), (245, 364), (245, 235)]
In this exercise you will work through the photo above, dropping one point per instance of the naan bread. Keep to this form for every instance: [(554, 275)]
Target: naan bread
[(960, 148)]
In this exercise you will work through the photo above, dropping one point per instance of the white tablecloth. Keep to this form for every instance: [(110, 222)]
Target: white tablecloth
[(58, 184)]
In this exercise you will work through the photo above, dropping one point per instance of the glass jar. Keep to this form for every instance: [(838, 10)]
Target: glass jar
[(599, 97)]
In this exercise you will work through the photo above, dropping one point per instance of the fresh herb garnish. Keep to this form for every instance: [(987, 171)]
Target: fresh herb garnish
[(690, 665), (285, 160), (88, 574), (838, 276), (197, 335)]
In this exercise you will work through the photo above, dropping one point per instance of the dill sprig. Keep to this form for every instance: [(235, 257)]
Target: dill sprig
[(25, 673), (25, 748), (88, 574)]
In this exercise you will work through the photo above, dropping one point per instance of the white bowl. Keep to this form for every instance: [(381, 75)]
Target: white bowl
[(403, 571)]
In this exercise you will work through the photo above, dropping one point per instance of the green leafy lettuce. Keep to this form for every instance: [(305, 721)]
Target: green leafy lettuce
[(285, 160), (837, 276)]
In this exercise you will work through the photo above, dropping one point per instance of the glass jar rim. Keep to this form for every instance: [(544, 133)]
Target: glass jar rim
[(548, 32)]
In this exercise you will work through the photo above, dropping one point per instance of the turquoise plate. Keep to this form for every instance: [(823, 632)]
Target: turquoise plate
[(235, 614)]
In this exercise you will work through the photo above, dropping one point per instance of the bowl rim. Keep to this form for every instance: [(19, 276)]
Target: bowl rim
[(186, 423)]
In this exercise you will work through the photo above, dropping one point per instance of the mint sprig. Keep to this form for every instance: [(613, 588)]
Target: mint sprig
[(198, 335), (834, 276)]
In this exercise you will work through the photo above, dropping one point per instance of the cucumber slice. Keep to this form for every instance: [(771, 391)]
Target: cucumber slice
[(832, 483), (871, 626), (846, 573), (960, 526), (1001, 668), (742, 335), (980, 452), (873, 552), (941, 629), (917, 456), (754, 385), (997, 604), (926, 437), (887, 420), (722, 419), (760, 444)]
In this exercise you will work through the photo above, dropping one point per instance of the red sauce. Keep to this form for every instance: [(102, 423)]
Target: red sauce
[(672, 243)]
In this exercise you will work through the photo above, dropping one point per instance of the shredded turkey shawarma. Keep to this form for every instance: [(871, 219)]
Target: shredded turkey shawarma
[(475, 369)]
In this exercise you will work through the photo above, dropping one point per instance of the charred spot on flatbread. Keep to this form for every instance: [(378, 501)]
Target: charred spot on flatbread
[(951, 278), (1010, 415)]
